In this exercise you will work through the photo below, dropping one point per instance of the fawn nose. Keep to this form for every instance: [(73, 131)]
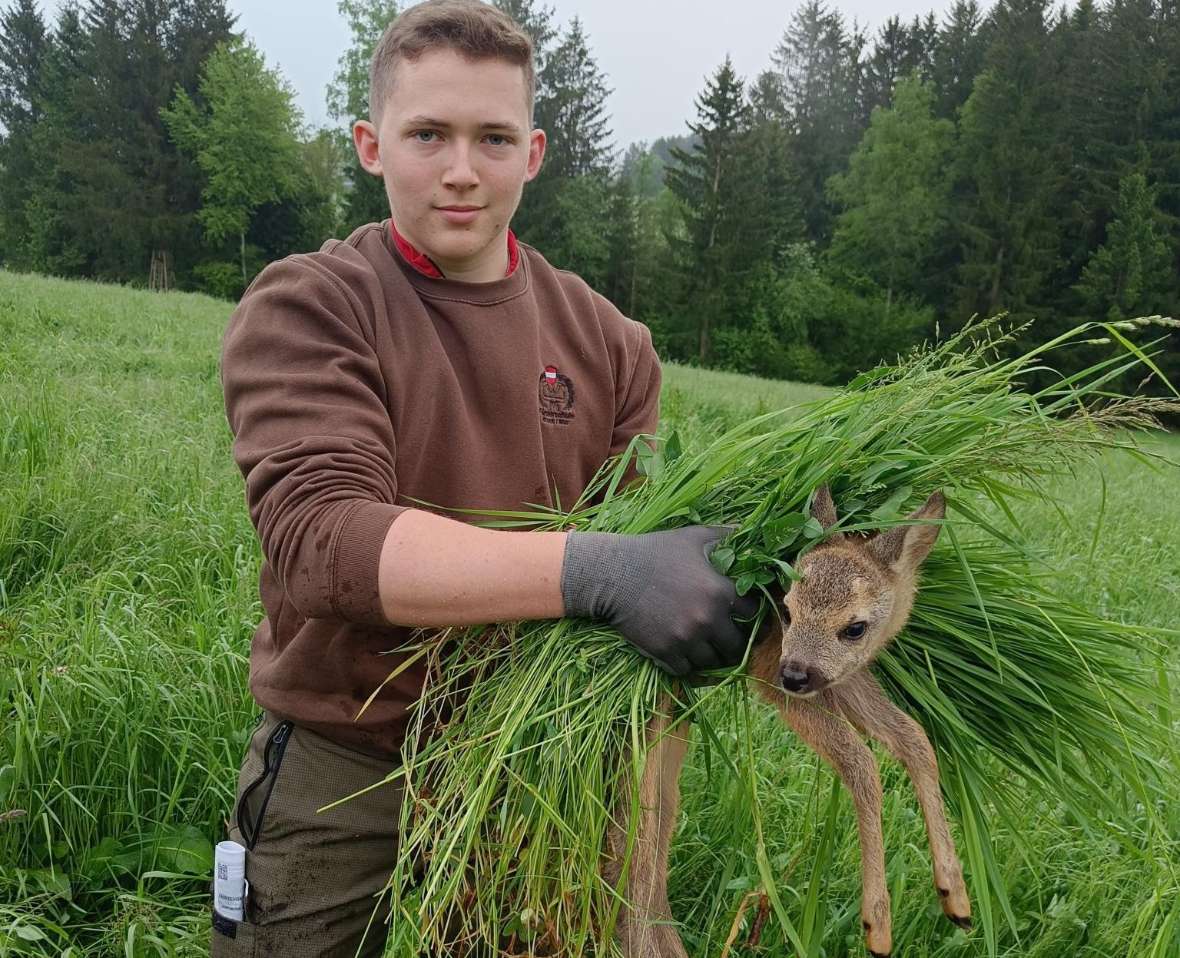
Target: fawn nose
[(794, 678)]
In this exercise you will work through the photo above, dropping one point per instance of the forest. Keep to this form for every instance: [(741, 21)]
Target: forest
[(869, 189)]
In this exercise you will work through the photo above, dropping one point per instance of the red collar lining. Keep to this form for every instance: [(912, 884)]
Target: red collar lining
[(427, 267)]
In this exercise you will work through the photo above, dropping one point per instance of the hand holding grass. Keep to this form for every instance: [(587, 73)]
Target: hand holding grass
[(661, 593)]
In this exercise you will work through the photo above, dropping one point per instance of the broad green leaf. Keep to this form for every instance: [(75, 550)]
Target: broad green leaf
[(722, 558)]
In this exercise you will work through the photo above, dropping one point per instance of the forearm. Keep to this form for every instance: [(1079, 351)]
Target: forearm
[(658, 589), (439, 572)]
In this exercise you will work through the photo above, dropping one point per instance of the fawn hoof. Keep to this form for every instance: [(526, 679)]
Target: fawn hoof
[(956, 904), (878, 940)]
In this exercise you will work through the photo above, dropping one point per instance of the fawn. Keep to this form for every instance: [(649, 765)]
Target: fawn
[(855, 595)]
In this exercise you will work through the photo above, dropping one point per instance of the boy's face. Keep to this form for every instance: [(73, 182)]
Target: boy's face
[(454, 132)]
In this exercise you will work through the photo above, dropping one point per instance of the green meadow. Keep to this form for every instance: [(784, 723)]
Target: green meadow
[(128, 595)]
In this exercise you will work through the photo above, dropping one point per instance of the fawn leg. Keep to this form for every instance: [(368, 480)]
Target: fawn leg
[(645, 925), (818, 722), (867, 707)]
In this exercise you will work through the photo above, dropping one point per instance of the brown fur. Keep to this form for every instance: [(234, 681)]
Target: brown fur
[(844, 580)]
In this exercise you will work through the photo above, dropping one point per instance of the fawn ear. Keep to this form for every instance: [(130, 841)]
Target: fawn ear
[(823, 510), (910, 544)]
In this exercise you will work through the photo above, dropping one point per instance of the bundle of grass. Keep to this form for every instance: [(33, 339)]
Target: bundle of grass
[(528, 733)]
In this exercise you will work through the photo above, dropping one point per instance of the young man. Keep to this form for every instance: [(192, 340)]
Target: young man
[(431, 357)]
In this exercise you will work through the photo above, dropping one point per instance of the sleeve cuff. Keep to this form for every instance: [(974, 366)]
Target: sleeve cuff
[(355, 594)]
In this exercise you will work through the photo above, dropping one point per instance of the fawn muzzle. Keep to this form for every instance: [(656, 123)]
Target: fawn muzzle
[(799, 680)]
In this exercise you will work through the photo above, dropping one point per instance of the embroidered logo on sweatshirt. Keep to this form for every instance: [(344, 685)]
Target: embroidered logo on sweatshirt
[(557, 397)]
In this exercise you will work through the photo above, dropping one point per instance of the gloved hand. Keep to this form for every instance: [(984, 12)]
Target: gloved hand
[(660, 591)]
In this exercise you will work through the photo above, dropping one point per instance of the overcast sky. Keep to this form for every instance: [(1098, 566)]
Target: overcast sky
[(656, 54)]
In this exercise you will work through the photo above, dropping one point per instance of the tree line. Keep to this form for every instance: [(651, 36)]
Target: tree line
[(859, 194)]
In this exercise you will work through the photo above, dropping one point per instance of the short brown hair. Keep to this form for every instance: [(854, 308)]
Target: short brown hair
[(475, 29)]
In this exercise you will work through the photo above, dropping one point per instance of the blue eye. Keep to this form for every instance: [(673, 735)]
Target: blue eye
[(424, 133), (855, 631)]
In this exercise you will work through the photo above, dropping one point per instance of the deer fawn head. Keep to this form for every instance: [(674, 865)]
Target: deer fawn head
[(854, 595)]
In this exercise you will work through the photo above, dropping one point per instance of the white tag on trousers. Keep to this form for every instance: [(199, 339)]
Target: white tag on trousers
[(229, 880)]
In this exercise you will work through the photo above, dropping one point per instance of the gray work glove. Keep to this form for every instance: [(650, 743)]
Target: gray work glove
[(661, 592)]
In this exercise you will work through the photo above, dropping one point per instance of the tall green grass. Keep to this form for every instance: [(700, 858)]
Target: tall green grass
[(128, 592), (129, 573)]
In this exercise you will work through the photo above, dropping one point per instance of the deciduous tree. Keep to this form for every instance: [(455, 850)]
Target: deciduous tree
[(895, 194), (246, 140), (348, 101)]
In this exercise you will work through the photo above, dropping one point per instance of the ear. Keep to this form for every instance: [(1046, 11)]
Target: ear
[(364, 141), (823, 510), (908, 545), (537, 142)]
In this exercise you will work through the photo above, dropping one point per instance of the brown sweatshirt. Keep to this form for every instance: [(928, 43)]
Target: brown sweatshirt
[(354, 384)]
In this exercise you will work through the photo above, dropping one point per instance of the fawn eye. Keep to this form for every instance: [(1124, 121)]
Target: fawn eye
[(855, 631), (786, 615)]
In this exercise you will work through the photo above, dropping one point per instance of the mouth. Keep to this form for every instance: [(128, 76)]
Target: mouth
[(459, 215)]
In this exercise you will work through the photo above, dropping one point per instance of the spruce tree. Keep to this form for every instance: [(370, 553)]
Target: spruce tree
[(768, 102), (195, 28), (635, 281), (537, 21), (705, 182), (1138, 64), (113, 162), (57, 196), (89, 144), (573, 113), (110, 192), (899, 50), (636, 168), (536, 211), (622, 232), (572, 189), (1088, 122), (767, 198), (958, 56), (1009, 170), (1130, 273), (819, 62), (24, 45)]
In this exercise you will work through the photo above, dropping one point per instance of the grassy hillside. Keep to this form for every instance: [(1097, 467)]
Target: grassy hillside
[(128, 594)]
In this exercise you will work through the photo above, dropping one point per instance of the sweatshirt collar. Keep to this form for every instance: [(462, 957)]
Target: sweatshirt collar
[(427, 267), (501, 290)]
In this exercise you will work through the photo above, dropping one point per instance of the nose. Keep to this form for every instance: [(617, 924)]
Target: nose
[(459, 172), (794, 677)]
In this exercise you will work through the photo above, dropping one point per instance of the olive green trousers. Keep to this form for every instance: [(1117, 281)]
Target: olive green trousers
[(315, 880)]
